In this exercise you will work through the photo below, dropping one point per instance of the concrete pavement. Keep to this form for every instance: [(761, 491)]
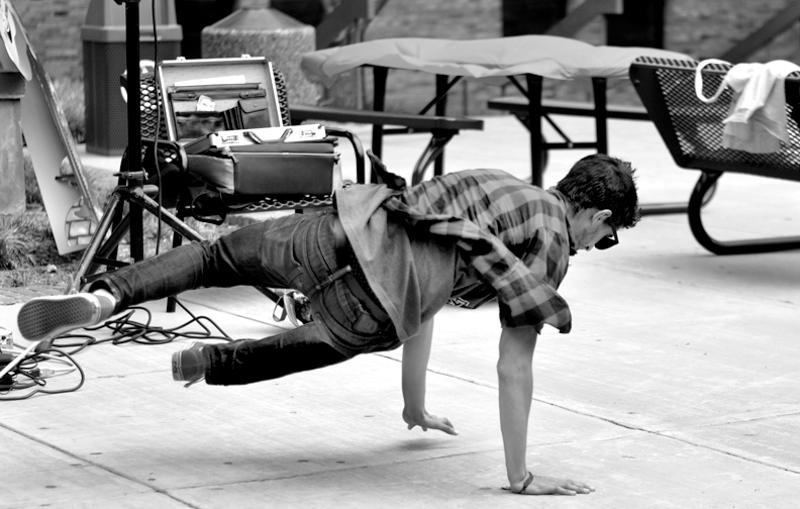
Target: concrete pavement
[(677, 388)]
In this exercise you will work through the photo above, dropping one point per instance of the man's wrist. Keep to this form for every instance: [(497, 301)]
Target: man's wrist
[(415, 412), (521, 486)]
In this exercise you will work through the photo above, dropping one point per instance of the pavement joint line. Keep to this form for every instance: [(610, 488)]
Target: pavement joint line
[(662, 434), (99, 466), (689, 283), (229, 312), (343, 469), (665, 434), (731, 454), (132, 374), (752, 419), (297, 476)]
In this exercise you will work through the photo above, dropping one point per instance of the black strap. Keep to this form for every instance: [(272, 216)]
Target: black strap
[(329, 280), (527, 482), (392, 181)]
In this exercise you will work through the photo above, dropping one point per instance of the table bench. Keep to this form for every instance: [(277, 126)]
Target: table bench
[(441, 128), (692, 131), (518, 106)]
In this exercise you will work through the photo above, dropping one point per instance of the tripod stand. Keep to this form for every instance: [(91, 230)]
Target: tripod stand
[(132, 189)]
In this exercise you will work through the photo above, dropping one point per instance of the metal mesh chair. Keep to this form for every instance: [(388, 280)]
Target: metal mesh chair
[(692, 131), (208, 209)]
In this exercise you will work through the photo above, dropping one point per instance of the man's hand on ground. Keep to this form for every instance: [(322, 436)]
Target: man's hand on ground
[(543, 485), (425, 420)]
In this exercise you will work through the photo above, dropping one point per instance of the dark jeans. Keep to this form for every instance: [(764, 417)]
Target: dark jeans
[(299, 251)]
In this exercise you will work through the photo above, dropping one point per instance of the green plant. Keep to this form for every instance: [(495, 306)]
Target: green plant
[(15, 278), (15, 243)]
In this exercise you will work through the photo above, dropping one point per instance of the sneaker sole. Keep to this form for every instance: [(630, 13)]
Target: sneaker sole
[(178, 373), (48, 317), (176, 367)]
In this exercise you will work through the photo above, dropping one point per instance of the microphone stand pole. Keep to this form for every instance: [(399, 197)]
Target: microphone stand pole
[(134, 175)]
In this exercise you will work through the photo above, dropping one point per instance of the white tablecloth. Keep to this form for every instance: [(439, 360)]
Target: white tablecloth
[(544, 55)]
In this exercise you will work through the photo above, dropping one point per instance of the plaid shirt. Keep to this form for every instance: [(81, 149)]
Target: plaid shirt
[(493, 215)]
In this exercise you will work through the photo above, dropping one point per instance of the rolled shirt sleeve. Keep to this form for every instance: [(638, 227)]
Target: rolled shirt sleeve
[(526, 290)]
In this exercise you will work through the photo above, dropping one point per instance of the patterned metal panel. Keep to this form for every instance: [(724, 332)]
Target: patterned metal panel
[(698, 127)]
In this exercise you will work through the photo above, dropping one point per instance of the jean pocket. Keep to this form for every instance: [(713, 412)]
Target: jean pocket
[(354, 317)]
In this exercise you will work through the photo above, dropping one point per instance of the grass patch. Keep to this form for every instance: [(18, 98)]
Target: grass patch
[(28, 253)]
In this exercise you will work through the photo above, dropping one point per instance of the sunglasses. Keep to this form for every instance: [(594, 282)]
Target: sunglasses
[(608, 241)]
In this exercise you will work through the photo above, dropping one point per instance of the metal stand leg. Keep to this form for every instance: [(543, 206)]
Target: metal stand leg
[(705, 185), (432, 153), (534, 93), (102, 250)]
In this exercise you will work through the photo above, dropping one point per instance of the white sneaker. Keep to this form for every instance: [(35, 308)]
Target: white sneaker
[(48, 317)]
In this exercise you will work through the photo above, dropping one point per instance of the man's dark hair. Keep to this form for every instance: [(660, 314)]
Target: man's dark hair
[(603, 182)]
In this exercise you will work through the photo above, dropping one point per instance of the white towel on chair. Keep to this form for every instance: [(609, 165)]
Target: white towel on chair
[(757, 117)]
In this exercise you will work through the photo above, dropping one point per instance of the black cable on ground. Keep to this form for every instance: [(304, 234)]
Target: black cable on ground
[(28, 372)]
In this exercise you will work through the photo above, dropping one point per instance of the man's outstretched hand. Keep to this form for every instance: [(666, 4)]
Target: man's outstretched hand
[(543, 485), (425, 420)]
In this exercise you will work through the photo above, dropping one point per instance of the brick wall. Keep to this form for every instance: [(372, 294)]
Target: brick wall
[(54, 28), (710, 27), (698, 27)]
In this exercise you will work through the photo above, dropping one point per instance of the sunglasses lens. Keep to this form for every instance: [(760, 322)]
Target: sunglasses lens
[(606, 242)]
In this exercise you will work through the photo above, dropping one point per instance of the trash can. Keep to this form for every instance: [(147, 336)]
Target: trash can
[(104, 60), (266, 33)]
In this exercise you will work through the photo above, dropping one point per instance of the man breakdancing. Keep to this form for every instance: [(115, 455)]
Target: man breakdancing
[(376, 272)]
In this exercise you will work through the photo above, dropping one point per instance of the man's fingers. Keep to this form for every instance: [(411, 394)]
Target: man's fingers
[(578, 487), (443, 424), (436, 423), (448, 428), (548, 490), (581, 488)]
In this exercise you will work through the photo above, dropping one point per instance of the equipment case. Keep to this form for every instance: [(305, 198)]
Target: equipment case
[(209, 101)]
